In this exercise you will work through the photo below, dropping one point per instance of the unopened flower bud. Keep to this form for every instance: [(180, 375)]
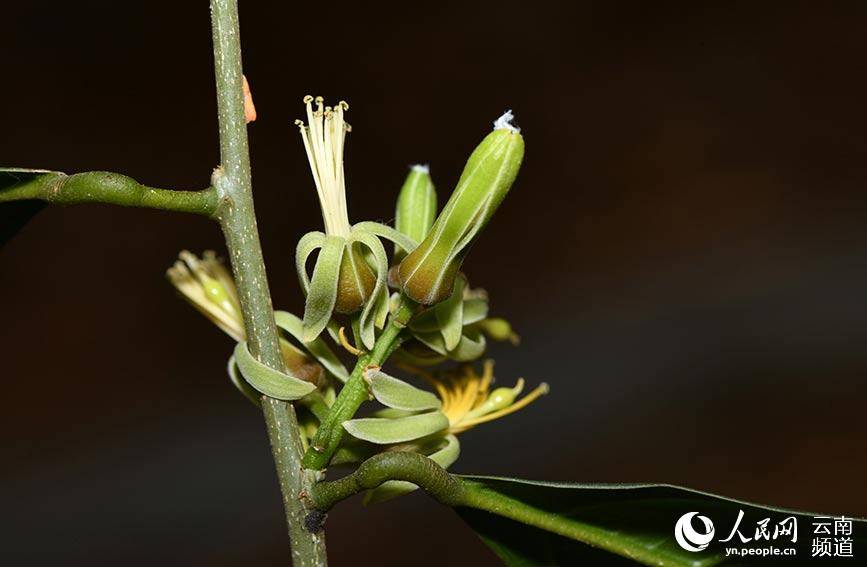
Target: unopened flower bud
[(416, 207), (427, 274), (356, 280), (498, 329)]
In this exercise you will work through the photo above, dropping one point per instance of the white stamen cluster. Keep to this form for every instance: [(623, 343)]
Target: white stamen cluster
[(323, 137), (504, 122)]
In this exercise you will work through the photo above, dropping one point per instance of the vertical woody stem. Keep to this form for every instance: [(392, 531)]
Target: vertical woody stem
[(237, 218)]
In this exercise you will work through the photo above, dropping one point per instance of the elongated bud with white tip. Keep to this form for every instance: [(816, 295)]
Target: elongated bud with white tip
[(416, 207), (427, 274)]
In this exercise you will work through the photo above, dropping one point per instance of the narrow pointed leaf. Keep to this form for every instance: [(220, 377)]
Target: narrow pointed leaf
[(530, 523), (322, 294), (317, 347), (265, 379), (387, 431), (397, 394)]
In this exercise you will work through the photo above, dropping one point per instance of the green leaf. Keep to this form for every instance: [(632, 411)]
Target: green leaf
[(444, 457), (530, 523), (15, 214), (397, 394), (317, 347), (265, 379), (387, 431), (322, 294)]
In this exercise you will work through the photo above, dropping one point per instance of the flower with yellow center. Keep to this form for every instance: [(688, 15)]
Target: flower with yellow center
[(468, 400)]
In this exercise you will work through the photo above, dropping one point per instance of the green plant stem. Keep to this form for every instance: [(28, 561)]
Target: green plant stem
[(391, 465), (111, 188), (237, 218), (354, 392), (455, 491)]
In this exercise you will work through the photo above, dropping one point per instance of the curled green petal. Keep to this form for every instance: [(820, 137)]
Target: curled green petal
[(475, 310), (322, 294), (397, 394), (268, 381), (308, 244), (471, 346), (368, 315), (401, 240), (387, 431), (382, 308), (317, 347), (245, 388), (444, 457), (450, 314)]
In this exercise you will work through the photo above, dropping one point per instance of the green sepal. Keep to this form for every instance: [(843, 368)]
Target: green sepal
[(268, 381), (368, 315), (387, 431), (450, 315), (444, 457), (322, 293), (397, 394), (242, 385), (317, 347)]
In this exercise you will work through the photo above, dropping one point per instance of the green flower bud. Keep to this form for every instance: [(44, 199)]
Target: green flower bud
[(498, 399), (356, 280), (416, 207), (427, 274), (498, 329)]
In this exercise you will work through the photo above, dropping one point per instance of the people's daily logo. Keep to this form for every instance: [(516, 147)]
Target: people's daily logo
[(690, 538)]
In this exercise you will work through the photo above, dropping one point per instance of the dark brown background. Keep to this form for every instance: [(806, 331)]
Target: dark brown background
[(684, 255)]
